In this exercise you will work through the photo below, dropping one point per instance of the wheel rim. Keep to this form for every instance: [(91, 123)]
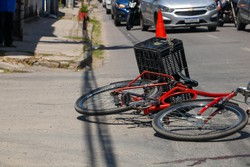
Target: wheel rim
[(187, 125), (102, 102)]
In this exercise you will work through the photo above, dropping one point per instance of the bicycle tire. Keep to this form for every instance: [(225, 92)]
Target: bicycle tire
[(100, 102), (179, 122)]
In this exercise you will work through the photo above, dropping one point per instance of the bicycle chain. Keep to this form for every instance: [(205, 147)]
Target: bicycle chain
[(171, 45)]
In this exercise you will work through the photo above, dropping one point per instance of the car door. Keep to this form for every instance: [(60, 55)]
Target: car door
[(153, 9), (145, 10), (248, 11), (244, 9)]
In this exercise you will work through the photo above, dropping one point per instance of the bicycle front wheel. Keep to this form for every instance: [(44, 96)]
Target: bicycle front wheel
[(182, 122), (101, 102)]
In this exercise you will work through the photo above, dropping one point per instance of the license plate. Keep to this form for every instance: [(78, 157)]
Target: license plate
[(192, 20)]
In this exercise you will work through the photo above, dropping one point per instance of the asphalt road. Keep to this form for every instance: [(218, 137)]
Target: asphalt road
[(39, 126)]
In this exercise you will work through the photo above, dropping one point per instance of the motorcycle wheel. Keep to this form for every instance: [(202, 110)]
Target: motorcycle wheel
[(220, 23)]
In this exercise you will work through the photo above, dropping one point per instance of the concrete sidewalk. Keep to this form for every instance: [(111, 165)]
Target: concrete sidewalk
[(48, 42)]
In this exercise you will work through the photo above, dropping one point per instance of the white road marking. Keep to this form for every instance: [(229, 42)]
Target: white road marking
[(246, 49), (212, 36)]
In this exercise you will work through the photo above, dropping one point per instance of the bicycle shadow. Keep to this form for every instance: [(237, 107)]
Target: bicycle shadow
[(127, 119), (241, 135), (102, 133)]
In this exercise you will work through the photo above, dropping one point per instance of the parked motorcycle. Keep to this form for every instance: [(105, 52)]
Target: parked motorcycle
[(227, 14), (133, 16)]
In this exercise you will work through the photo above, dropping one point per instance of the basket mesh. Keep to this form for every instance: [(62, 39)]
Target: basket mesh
[(179, 98), (162, 56)]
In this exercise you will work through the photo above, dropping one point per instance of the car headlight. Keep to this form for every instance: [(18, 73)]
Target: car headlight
[(121, 5), (211, 7), (166, 9)]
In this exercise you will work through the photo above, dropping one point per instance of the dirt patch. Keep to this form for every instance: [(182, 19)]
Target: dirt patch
[(97, 38)]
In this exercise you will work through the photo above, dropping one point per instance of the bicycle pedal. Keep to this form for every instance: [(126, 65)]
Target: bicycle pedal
[(126, 98), (136, 112), (248, 112), (155, 102)]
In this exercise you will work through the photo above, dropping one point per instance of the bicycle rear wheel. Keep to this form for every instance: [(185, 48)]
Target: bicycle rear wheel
[(181, 122), (100, 101)]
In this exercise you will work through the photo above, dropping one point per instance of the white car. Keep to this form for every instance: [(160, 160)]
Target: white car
[(179, 13), (107, 4), (104, 3)]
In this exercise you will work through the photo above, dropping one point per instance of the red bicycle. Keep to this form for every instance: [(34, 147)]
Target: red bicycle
[(178, 111)]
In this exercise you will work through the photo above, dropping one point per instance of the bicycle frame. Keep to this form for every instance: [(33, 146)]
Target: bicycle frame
[(178, 89), (182, 89)]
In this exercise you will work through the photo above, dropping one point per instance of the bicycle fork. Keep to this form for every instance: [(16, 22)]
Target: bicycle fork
[(219, 101)]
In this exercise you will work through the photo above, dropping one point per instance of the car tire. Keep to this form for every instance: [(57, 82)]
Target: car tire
[(212, 28), (220, 23), (116, 22), (112, 13), (193, 28), (240, 26), (143, 26), (128, 27), (155, 18), (108, 11)]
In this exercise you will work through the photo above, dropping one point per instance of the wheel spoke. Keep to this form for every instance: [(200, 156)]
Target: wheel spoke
[(183, 121)]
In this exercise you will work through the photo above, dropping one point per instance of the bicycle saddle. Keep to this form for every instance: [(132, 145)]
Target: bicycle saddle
[(187, 81)]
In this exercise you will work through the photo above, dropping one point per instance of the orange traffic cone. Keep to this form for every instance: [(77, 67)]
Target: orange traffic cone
[(160, 29)]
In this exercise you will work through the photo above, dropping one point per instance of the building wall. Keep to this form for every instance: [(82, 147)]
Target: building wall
[(52, 7), (30, 8), (38, 7)]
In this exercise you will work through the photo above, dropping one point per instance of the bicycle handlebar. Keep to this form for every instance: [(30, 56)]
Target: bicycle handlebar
[(245, 91)]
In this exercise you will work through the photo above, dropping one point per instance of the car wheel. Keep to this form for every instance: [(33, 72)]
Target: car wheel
[(117, 23), (112, 13), (143, 26), (155, 18), (240, 25), (192, 28), (108, 11), (220, 23), (212, 28)]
